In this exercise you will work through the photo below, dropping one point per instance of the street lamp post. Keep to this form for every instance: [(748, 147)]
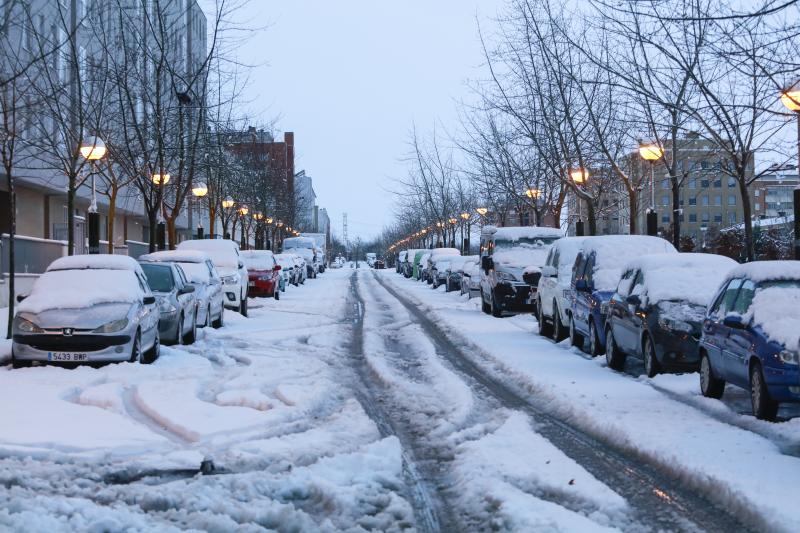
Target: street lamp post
[(579, 177), (199, 191), (791, 99), (227, 203), (243, 210), (92, 150), (161, 229), (652, 153), (534, 194), (465, 234)]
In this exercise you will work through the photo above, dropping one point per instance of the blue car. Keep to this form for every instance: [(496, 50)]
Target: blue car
[(751, 336), (595, 275)]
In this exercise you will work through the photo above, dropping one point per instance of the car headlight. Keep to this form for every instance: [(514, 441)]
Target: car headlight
[(166, 307), (675, 325), (504, 276), (230, 280), (788, 357), (23, 325), (113, 326)]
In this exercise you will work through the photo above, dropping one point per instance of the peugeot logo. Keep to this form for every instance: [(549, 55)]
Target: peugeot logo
[(68, 332)]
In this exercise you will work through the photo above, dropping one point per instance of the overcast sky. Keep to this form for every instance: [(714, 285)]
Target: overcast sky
[(350, 77)]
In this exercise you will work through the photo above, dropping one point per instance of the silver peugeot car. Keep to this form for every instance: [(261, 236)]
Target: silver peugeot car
[(176, 302), (87, 309)]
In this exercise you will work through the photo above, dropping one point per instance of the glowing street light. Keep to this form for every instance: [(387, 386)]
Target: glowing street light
[(791, 99), (579, 175), (93, 149), (228, 202), (482, 211), (533, 193), (465, 216), (244, 210), (651, 152), (200, 190)]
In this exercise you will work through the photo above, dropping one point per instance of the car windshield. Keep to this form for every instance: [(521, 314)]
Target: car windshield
[(537, 243), (780, 284), (159, 277)]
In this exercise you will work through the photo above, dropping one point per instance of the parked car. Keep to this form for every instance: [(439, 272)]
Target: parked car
[(401, 258), (87, 309), (200, 271), (552, 292), (407, 268), (751, 336), (452, 281), (264, 273), (471, 279), (176, 301), (302, 269), (225, 255), (658, 308), (597, 271), (288, 273), (438, 254), (378, 264), (304, 247), (417, 262), (506, 255)]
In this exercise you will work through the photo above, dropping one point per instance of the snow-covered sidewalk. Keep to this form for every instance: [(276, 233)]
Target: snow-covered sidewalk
[(746, 465)]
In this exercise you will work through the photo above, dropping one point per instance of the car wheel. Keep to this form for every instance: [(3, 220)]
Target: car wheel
[(575, 338), (179, 330), (154, 352), (764, 407), (485, 307), (545, 329), (710, 386), (651, 366), (243, 307), (136, 350), (560, 332), (496, 311), (220, 321), (595, 348), (208, 317), (191, 335), (614, 356), (19, 363)]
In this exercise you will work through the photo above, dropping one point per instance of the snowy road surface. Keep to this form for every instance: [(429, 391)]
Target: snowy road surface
[(365, 401)]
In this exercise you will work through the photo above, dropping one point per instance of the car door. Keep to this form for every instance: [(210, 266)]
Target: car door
[(188, 300), (548, 284), (739, 342), (486, 287), (580, 299), (619, 312), (715, 333), (148, 315), (215, 288)]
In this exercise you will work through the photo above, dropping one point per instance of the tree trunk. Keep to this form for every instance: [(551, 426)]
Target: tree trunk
[(12, 231), (71, 216), (633, 208), (592, 219), (112, 212), (172, 232), (748, 222), (212, 218), (152, 230), (676, 213)]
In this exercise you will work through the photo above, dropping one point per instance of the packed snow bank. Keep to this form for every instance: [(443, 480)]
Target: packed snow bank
[(96, 261), (517, 233)]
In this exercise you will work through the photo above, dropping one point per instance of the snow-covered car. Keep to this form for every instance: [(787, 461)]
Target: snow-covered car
[(224, 253), (305, 248), (471, 279), (658, 309), (264, 273), (288, 273), (751, 336), (420, 263), (200, 271), (595, 276), (302, 268), (508, 254), (401, 258), (453, 274), (176, 301), (438, 254), (552, 292), (87, 309), (438, 271)]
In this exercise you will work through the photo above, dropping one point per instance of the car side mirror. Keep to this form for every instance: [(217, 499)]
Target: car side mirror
[(21, 297), (634, 299), (241, 265), (187, 289), (277, 267), (149, 300), (581, 285), (487, 263), (733, 321)]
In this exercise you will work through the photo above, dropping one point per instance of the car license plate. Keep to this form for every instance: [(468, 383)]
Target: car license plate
[(251, 284), (67, 356)]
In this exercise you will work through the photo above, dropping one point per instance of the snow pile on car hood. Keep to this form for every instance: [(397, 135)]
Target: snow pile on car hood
[(689, 277), (774, 310), (176, 256), (258, 259), (612, 252), (77, 289)]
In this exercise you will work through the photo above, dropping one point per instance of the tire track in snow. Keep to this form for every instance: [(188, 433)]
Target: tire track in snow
[(432, 513), (657, 499)]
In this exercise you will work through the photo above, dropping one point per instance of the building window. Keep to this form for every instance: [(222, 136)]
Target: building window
[(704, 184), (705, 217), (718, 218), (758, 193), (704, 201), (718, 183), (758, 206), (665, 184), (731, 199), (732, 218), (731, 182), (665, 219), (704, 165), (692, 217), (692, 201), (717, 200)]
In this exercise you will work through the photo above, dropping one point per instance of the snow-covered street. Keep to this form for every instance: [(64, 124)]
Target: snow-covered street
[(365, 401)]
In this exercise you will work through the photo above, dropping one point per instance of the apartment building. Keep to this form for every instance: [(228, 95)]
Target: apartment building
[(772, 193), (70, 96)]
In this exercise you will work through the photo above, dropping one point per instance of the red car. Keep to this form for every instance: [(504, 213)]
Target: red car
[(263, 273)]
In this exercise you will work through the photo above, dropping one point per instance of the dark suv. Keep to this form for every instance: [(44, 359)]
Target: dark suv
[(511, 261)]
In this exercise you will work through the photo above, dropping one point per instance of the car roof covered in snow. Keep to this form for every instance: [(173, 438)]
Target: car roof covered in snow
[(441, 253), (258, 259), (516, 233), (613, 252), (177, 256), (208, 245), (688, 277), (95, 262), (767, 271)]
